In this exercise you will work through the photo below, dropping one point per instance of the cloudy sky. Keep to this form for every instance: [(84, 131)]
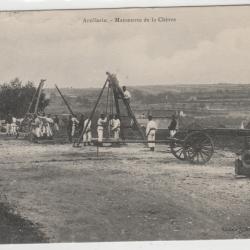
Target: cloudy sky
[(203, 45)]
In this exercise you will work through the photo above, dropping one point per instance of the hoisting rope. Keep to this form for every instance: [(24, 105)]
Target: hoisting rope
[(106, 112)]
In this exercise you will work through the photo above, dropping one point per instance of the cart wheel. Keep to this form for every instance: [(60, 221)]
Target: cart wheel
[(245, 156), (177, 149), (198, 147)]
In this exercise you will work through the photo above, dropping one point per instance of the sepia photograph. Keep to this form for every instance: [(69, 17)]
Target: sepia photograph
[(127, 124)]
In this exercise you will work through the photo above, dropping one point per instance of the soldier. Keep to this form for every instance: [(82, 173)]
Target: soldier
[(49, 125), (43, 125), (56, 123), (100, 126), (150, 132), (36, 124), (126, 93), (14, 126), (75, 122), (87, 136), (116, 127), (172, 126)]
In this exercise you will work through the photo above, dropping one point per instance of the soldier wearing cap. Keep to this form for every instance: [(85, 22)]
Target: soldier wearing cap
[(75, 122), (116, 127), (100, 127), (150, 132)]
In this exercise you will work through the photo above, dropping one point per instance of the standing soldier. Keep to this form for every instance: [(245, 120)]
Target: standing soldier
[(75, 122), (36, 124), (49, 126), (100, 126), (87, 136), (172, 126), (14, 126), (56, 123), (150, 132), (43, 125), (116, 127)]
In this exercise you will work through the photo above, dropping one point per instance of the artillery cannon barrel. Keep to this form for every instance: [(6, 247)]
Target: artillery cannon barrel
[(168, 140), (224, 131)]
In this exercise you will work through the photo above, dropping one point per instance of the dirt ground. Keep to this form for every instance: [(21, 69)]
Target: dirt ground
[(125, 193)]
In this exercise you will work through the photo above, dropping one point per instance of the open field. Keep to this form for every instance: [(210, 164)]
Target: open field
[(126, 193)]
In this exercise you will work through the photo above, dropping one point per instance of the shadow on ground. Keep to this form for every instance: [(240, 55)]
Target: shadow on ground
[(15, 229)]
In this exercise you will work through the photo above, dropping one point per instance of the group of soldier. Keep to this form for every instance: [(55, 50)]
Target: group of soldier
[(40, 125), (44, 126), (75, 125), (12, 125), (152, 127), (83, 126)]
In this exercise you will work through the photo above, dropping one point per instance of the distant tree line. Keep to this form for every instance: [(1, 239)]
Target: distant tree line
[(83, 101), (15, 98), (146, 98)]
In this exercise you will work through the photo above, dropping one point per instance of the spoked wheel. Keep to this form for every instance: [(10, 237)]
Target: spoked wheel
[(198, 147), (177, 149)]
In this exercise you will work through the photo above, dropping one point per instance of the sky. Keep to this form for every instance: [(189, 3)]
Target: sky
[(203, 45)]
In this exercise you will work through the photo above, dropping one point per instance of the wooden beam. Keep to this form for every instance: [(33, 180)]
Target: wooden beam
[(39, 95), (66, 103)]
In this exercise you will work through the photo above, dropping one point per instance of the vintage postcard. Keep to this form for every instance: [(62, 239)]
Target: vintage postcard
[(125, 124)]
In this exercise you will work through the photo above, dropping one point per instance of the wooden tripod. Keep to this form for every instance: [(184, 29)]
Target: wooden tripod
[(112, 82), (36, 97)]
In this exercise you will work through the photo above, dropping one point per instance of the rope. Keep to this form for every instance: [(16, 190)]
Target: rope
[(107, 102), (110, 111), (111, 103)]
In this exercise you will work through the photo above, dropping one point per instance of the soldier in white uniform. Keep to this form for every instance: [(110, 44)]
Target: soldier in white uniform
[(116, 127), (42, 125), (100, 126), (13, 126), (126, 94), (150, 132), (75, 122), (87, 136), (37, 126), (49, 126)]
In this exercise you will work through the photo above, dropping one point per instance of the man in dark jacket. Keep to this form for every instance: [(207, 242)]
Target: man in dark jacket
[(172, 126)]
